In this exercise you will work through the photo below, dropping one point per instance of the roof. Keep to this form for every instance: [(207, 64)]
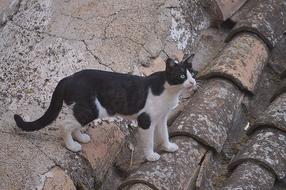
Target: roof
[(232, 84), (231, 132)]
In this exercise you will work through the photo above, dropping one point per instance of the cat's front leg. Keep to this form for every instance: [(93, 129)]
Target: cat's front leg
[(147, 142), (163, 136)]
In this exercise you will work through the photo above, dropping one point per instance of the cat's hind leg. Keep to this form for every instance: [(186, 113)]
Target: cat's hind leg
[(69, 126), (146, 134), (84, 112)]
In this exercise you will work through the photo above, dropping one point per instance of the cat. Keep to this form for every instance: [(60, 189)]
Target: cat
[(93, 94)]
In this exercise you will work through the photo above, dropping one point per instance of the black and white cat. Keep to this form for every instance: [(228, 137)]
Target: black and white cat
[(92, 94)]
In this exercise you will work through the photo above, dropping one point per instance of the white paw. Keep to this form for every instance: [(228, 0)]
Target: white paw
[(83, 138), (153, 157), (75, 146), (170, 147)]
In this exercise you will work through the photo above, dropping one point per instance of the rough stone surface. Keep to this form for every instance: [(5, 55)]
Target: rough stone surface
[(57, 179), (173, 170), (250, 176), (280, 90), (266, 85), (196, 18), (236, 134), (273, 116), (202, 120), (221, 10), (267, 20), (243, 11), (106, 142), (80, 171), (139, 187), (207, 172), (278, 57), (210, 44), (130, 157), (7, 9), (241, 61), (22, 165), (267, 147)]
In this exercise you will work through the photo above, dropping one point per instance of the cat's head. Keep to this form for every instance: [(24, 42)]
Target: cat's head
[(180, 74)]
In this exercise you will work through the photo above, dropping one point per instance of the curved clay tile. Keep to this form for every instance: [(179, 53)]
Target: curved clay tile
[(173, 171), (250, 176), (241, 61), (209, 113), (267, 20), (273, 116), (268, 148)]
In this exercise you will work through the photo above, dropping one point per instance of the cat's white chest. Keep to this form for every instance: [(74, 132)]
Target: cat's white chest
[(160, 106)]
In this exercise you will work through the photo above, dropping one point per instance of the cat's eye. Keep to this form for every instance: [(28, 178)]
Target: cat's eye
[(182, 76)]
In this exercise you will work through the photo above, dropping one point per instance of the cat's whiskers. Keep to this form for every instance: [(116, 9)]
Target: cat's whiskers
[(198, 86)]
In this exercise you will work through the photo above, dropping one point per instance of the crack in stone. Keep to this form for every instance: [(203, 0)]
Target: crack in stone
[(68, 39), (108, 25), (140, 44), (12, 133), (49, 169), (92, 16), (96, 57), (132, 40), (54, 161)]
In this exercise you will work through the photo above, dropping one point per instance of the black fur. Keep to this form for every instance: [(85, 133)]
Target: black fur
[(118, 93), (144, 120)]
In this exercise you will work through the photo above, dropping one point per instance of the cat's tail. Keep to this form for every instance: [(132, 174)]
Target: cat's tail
[(50, 115)]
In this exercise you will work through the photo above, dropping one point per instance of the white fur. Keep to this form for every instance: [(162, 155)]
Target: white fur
[(190, 82), (102, 113), (157, 107)]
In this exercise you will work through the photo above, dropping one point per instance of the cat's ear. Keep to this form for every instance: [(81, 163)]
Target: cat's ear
[(187, 61), (171, 63)]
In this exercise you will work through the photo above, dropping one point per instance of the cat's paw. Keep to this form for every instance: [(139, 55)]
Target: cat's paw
[(83, 138), (153, 157), (75, 146), (170, 147)]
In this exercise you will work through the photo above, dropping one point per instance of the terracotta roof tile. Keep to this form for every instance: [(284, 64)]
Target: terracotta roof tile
[(267, 20), (208, 171), (268, 148), (209, 113), (241, 61), (250, 176), (273, 116), (173, 170)]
